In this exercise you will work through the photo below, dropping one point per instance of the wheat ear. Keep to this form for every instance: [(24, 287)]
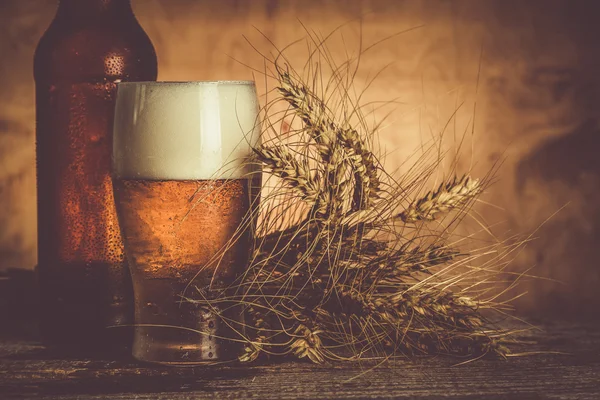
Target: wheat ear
[(397, 265), (327, 133), (448, 196), (279, 161)]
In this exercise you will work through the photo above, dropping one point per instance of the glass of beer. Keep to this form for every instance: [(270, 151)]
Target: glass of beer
[(186, 193)]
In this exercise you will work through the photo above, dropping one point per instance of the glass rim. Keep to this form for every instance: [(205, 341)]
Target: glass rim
[(180, 83)]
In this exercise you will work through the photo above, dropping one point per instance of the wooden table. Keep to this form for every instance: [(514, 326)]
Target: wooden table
[(29, 370)]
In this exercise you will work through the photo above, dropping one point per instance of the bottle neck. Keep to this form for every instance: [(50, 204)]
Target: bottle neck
[(94, 8)]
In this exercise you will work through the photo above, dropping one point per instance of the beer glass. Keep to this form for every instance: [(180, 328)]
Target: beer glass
[(186, 192)]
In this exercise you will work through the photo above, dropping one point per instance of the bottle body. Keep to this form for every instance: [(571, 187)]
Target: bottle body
[(84, 280)]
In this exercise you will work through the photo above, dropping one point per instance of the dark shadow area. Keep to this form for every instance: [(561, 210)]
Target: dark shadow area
[(565, 158), (565, 171)]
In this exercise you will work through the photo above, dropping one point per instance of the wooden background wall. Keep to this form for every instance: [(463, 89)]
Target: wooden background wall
[(531, 66)]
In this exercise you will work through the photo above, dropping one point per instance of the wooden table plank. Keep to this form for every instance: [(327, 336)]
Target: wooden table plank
[(29, 370)]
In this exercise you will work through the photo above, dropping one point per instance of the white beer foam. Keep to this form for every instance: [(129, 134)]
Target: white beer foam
[(185, 130)]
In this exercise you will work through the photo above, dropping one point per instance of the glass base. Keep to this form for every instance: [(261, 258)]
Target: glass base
[(173, 354), (173, 331), (177, 346)]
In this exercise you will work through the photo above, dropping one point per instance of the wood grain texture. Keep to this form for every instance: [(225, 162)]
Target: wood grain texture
[(29, 370)]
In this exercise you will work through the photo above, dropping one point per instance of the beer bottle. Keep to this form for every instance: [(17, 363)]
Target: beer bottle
[(89, 47)]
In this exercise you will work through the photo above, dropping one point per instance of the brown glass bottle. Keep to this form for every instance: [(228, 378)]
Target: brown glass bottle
[(85, 285)]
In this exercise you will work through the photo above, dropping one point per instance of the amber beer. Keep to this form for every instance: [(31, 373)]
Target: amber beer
[(85, 284), (186, 197)]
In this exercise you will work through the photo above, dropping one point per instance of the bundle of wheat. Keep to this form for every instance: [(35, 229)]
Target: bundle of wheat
[(345, 266)]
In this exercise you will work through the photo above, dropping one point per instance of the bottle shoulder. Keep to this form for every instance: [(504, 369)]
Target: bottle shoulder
[(83, 53)]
